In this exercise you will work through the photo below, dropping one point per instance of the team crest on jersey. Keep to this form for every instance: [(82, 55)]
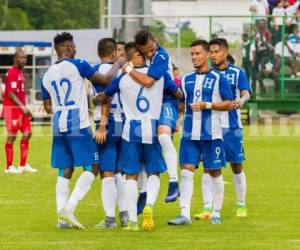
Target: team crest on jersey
[(208, 83), (13, 85), (230, 78)]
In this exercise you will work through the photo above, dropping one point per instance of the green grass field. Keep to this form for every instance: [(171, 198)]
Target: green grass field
[(28, 212)]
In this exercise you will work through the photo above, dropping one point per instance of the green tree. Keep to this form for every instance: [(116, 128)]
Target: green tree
[(14, 19)]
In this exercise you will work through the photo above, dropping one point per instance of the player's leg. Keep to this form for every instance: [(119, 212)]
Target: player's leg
[(214, 160), (142, 186), (24, 146), (170, 153), (84, 153), (189, 155), (207, 197), (233, 143), (154, 166)]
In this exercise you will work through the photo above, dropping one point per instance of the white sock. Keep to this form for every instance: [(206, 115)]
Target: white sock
[(218, 192), (82, 186), (186, 192), (170, 152), (109, 196), (62, 192), (120, 185), (142, 181), (131, 194), (240, 187), (153, 184), (207, 190)]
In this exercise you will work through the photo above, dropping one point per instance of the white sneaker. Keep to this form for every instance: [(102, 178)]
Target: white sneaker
[(27, 169), (12, 170)]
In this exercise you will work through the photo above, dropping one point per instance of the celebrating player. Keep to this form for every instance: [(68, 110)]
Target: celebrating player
[(108, 134), (64, 95), (206, 93), (159, 64), (232, 128), (16, 115)]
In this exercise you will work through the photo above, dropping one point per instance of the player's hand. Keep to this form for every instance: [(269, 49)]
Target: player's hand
[(100, 134), (237, 103), (198, 106), (121, 61), (124, 67), (26, 112)]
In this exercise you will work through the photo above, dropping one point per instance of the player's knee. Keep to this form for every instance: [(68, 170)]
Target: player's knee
[(206, 171), (132, 177), (105, 174), (215, 172), (157, 174), (26, 136), (237, 168), (66, 172), (11, 138), (188, 167), (163, 129), (92, 168)]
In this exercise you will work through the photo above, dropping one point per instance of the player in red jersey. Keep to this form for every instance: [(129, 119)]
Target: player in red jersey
[(16, 115)]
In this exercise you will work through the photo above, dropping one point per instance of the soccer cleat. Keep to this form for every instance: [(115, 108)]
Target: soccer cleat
[(215, 220), (12, 170), (148, 223), (179, 220), (241, 212), (173, 192), (132, 226), (105, 224), (141, 202), (27, 169), (70, 217), (123, 218), (205, 215), (61, 224)]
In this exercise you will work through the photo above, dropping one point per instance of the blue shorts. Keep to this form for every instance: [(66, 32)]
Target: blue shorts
[(109, 153), (135, 155), (233, 144), (191, 152), (168, 115), (74, 149)]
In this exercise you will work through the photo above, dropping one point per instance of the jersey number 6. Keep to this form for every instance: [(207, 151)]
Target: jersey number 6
[(142, 102)]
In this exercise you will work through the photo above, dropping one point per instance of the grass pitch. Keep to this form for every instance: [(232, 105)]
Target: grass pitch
[(28, 212)]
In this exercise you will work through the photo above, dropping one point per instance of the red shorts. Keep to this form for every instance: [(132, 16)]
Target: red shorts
[(15, 121)]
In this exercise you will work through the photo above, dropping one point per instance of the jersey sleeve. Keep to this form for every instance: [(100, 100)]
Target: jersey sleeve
[(169, 84), (182, 86), (84, 68), (225, 89), (114, 87), (159, 66), (243, 83), (45, 93)]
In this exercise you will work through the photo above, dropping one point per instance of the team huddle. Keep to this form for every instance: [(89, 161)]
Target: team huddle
[(137, 105)]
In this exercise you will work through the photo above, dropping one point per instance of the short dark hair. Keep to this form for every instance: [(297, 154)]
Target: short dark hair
[(202, 43), (106, 46), (230, 59), (121, 42), (60, 38), (130, 48), (222, 42), (245, 35), (142, 37)]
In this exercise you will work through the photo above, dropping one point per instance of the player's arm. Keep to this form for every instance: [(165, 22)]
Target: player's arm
[(139, 77), (245, 90), (107, 78), (48, 106), (12, 96), (171, 86), (104, 96), (100, 134)]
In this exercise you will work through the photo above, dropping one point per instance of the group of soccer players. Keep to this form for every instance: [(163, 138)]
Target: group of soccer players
[(136, 109)]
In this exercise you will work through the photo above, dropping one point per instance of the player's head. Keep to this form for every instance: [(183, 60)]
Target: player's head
[(199, 53), (219, 51), (107, 48), (133, 54), (146, 43), (121, 49), (245, 37), (20, 58), (64, 45)]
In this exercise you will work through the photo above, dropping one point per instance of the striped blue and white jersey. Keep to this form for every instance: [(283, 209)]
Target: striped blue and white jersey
[(208, 87), (116, 111), (142, 106), (161, 64), (238, 82), (64, 84)]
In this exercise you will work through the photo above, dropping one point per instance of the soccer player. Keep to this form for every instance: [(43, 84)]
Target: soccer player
[(64, 95), (16, 115), (109, 127), (232, 128), (159, 63), (121, 49), (206, 93), (140, 146)]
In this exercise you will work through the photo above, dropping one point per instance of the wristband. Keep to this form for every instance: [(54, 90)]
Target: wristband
[(208, 105), (128, 69)]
